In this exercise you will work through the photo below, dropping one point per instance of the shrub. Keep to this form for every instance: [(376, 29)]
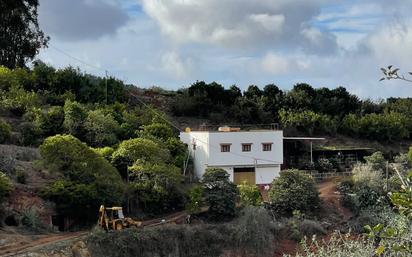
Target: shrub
[(252, 232), (51, 122), (294, 190), (30, 218), (249, 194), (87, 180), (105, 152), (18, 100), (132, 150), (157, 187), (5, 186), (167, 240), (101, 129), (74, 117), (30, 134), (21, 177), (220, 194), (195, 201), (324, 165), (157, 130), (366, 175), (376, 161), (5, 131)]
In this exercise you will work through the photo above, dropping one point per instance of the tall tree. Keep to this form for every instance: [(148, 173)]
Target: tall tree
[(20, 35)]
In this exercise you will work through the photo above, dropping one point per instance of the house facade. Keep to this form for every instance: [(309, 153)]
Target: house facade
[(251, 156)]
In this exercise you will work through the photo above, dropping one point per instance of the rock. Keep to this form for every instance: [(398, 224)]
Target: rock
[(79, 249)]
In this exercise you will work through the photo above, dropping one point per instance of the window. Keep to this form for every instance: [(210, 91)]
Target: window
[(267, 147), (225, 147), (246, 147)]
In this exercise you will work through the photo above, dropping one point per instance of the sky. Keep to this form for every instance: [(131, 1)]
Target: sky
[(173, 43)]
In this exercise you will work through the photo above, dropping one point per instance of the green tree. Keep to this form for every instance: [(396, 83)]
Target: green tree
[(87, 181), (20, 37), (158, 131), (18, 101), (5, 131), (294, 190), (249, 194), (101, 129), (5, 186), (220, 194), (129, 151), (157, 187), (74, 117), (51, 122)]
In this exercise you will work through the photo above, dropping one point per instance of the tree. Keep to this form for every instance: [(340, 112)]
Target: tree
[(220, 194), (5, 131), (5, 186), (74, 117), (87, 180), (159, 131), (157, 187), (20, 36), (101, 129), (294, 190)]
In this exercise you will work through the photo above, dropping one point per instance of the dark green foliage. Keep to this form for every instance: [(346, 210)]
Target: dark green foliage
[(21, 177), (167, 240), (158, 131), (132, 150), (5, 131), (157, 187), (50, 123), (30, 134), (220, 194), (294, 190), (20, 37), (308, 121), (17, 100), (88, 180), (74, 117), (195, 199), (101, 129), (5, 186), (385, 126)]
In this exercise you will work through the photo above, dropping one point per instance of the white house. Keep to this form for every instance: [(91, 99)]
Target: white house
[(252, 156)]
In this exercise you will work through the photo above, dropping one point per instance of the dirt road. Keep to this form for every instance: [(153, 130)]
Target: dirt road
[(330, 196), (8, 251)]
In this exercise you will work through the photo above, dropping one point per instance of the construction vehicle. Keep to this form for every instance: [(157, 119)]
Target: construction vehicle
[(113, 219)]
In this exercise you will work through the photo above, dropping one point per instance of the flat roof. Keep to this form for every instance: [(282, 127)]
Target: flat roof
[(304, 138)]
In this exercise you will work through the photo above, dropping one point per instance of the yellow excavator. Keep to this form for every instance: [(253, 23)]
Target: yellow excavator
[(113, 219)]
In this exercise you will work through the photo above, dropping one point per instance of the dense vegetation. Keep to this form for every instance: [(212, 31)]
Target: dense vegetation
[(302, 110)]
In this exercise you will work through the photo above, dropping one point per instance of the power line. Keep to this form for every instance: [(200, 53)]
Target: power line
[(75, 58)]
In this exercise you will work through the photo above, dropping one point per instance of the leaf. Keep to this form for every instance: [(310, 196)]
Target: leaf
[(382, 79), (410, 73), (390, 67), (395, 71), (380, 250), (383, 70)]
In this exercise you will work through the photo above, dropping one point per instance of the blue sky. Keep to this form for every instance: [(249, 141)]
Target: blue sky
[(172, 43)]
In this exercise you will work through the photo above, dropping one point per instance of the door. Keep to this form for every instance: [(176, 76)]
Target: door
[(241, 175)]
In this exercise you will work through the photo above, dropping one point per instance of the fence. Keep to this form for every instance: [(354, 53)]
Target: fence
[(319, 176)]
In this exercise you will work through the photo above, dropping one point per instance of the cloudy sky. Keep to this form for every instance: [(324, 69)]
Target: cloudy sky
[(172, 43)]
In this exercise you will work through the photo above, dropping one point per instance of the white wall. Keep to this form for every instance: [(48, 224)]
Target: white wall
[(208, 154), (238, 158), (265, 175)]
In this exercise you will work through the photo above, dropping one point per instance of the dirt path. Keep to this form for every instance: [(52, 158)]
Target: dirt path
[(8, 251), (330, 196)]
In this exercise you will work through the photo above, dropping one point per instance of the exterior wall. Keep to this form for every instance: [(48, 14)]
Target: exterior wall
[(238, 158), (201, 154), (208, 154), (265, 175)]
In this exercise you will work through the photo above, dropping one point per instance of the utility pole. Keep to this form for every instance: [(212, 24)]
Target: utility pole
[(106, 85)]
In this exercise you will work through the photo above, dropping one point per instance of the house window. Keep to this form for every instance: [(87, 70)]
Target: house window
[(246, 147), (267, 147), (225, 147)]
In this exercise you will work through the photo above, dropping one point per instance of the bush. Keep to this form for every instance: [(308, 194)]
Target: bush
[(167, 240), (5, 186), (220, 194), (105, 152), (18, 101), (74, 117), (5, 131), (132, 150), (30, 134), (87, 180), (21, 177), (249, 194), (195, 201), (366, 175), (157, 187), (51, 122), (30, 218), (376, 161), (157, 130), (294, 190), (252, 232), (101, 129), (324, 165)]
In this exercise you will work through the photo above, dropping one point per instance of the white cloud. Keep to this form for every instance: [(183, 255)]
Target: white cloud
[(174, 65), (239, 23), (275, 64)]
